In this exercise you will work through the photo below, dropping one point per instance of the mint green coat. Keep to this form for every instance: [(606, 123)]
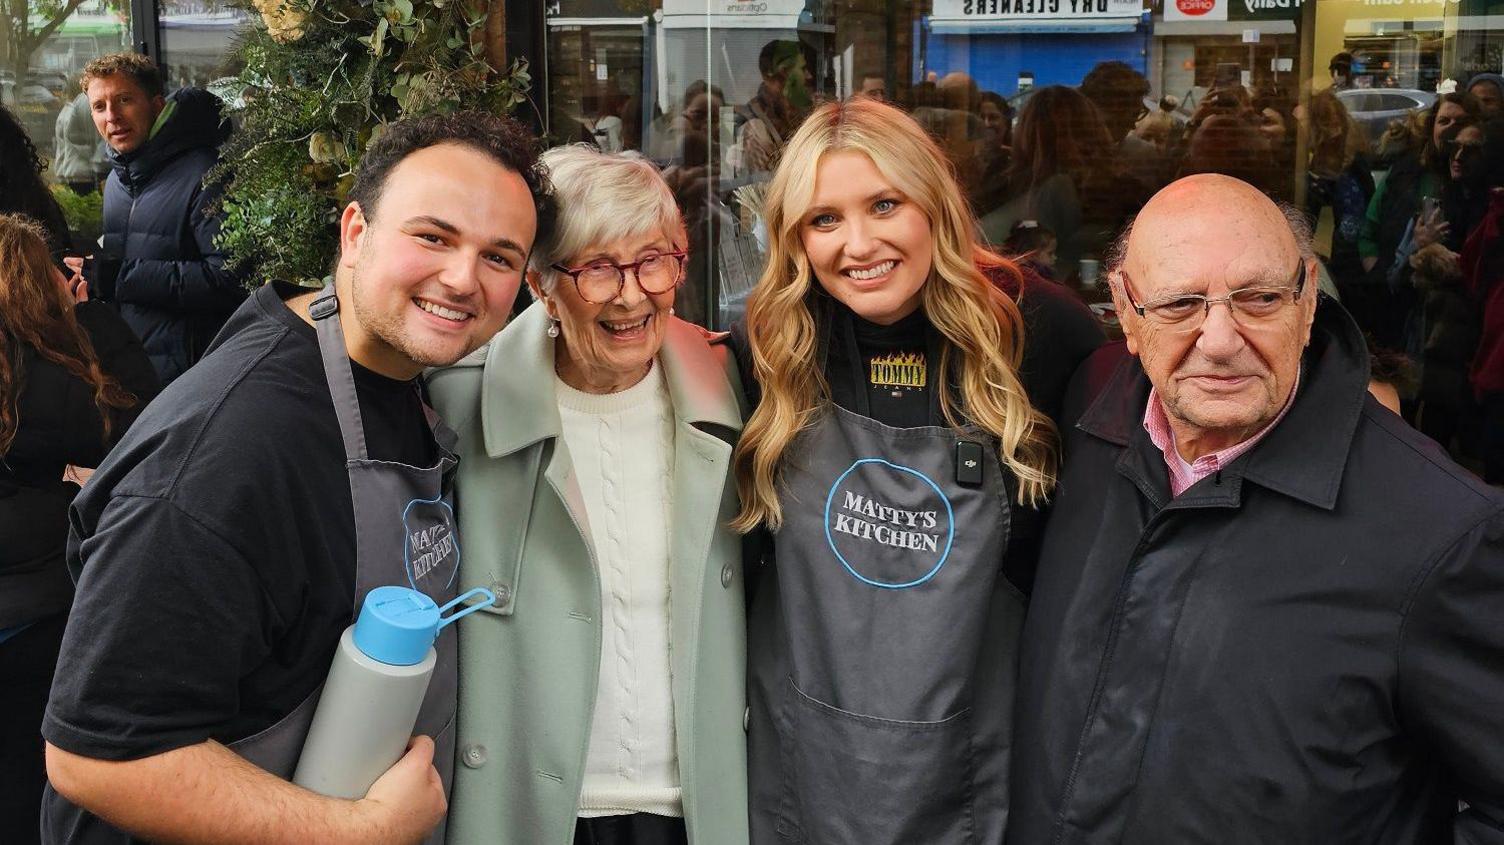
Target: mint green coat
[(528, 667)]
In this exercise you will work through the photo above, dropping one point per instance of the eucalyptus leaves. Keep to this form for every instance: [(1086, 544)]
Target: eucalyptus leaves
[(321, 78)]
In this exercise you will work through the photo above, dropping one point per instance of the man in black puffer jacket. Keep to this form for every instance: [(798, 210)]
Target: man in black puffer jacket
[(158, 262)]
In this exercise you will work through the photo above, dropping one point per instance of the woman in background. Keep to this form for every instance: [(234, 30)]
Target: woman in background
[(1062, 173), (72, 379)]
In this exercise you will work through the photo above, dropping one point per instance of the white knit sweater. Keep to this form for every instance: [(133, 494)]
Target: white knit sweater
[(621, 445)]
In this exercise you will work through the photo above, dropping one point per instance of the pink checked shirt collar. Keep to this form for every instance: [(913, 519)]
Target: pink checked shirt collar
[(1183, 474)]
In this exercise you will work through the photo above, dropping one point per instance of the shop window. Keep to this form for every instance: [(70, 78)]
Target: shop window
[(197, 38), (39, 84), (1057, 117)]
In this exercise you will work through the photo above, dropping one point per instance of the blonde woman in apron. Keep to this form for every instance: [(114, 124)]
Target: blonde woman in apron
[(891, 448)]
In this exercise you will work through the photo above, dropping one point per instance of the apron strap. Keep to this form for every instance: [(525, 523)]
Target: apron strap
[(338, 373)]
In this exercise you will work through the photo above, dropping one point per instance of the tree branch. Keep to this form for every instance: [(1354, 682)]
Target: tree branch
[(35, 39), (496, 36)]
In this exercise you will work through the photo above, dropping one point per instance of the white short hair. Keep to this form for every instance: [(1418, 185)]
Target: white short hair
[(601, 198)]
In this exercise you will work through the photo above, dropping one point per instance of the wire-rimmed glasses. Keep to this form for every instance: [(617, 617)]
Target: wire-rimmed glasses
[(1251, 307)]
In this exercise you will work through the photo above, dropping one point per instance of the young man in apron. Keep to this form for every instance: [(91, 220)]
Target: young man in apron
[(227, 542)]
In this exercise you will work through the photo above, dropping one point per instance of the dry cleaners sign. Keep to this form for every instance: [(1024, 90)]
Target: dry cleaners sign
[(1037, 9)]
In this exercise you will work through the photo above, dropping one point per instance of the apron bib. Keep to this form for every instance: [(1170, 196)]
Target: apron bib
[(889, 586), (406, 535)]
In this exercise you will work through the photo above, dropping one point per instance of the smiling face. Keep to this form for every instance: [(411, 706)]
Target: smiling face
[(431, 274), (869, 245), (1222, 382), (123, 113), (1447, 115), (606, 348)]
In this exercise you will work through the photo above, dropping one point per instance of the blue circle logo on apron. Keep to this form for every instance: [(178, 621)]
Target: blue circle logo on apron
[(890, 526), (430, 545)]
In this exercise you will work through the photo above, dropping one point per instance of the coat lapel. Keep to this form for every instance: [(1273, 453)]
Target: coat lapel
[(519, 409), (702, 398)]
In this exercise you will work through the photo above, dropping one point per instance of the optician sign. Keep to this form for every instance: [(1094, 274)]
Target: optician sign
[(746, 14), (1036, 9), (740, 8)]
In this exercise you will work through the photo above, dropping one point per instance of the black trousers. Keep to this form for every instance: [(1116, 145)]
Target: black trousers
[(635, 829), (27, 661)]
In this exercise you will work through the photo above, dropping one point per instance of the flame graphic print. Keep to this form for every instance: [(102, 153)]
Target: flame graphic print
[(898, 369)]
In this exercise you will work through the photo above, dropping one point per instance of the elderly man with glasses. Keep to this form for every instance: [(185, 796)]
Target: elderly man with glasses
[(1266, 609)]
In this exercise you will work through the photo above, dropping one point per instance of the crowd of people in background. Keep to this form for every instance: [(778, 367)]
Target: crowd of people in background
[(1071, 165)]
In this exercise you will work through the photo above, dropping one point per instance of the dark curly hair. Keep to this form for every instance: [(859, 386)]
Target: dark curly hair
[(502, 138), (22, 190)]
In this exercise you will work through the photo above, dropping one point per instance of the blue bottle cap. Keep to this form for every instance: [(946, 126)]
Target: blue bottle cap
[(397, 625)]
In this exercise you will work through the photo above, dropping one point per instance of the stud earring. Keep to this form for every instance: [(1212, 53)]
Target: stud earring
[(553, 329), (671, 310)]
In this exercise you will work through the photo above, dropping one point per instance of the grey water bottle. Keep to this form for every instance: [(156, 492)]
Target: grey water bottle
[(375, 688)]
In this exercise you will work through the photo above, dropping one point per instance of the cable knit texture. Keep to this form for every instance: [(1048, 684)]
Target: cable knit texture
[(621, 445)]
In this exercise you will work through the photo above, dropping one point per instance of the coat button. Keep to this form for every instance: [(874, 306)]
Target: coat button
[(726, 574), (503, 593), (474, 756)]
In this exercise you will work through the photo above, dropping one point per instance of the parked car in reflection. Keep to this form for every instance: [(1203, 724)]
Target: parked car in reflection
[(35, 102), (1375, 108)]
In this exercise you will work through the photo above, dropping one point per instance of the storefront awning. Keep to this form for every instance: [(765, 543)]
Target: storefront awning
[(973, 26), (1173, 28)]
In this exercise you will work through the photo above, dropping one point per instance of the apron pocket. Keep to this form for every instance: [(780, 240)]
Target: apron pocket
[(868, 781), (443, 760)]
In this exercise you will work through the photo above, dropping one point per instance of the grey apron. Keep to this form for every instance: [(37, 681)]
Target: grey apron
[(883, 652), (405, 535)]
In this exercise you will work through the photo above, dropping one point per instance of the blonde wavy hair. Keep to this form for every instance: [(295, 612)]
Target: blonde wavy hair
[(981, 326)]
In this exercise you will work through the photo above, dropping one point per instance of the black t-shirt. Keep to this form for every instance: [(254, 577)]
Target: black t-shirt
[(882, 372), (217, 552)]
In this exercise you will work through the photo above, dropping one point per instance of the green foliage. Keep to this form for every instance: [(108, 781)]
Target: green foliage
[(85, 214), (320, 79)]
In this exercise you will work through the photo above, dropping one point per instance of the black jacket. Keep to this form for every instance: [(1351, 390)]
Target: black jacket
[(158, 262), (1303, 648), (58, 424)]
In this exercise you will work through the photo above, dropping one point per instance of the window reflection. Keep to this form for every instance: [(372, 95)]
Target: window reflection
[(39, 80), (1062, 117), (197, 38)]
